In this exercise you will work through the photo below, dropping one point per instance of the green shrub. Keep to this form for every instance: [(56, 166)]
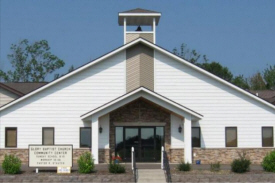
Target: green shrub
[(268, 163), (215, 167), (85, 163), (11, 164), (116, 168), (240, 165), (184, 167)]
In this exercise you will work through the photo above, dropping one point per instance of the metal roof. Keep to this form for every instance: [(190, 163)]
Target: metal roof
[(139, 10), (139, 17)]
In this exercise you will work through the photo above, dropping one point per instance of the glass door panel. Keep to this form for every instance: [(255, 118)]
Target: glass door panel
[(147, 142), (147, 148), (159, 142), (131, 139), (119, 142)]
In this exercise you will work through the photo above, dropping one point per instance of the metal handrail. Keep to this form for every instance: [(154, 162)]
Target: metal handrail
[(166, 167), (134, 166)]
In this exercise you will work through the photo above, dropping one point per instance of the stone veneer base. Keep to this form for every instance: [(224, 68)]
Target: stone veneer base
[(176, 155), (206, 155), (23, 154), (227, 155)]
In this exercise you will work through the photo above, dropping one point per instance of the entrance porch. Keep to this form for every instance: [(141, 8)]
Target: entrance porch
[(141, 119)]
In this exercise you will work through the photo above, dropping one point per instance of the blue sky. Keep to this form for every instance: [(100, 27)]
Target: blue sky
[(238, 34)]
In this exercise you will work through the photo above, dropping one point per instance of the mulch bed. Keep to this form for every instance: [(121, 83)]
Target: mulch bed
[(221, 172), (73, 172), (75, 176)]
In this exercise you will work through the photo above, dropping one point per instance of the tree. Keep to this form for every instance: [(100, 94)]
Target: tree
[(257, 82), (241, 82), (269, 77), (31, 62), (217, 69), (56, 76), (202, 61), (192, 56)]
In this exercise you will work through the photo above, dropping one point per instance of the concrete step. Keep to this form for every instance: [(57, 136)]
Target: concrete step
[(148, 176), (150, 170), (151, 181), (151, 175)]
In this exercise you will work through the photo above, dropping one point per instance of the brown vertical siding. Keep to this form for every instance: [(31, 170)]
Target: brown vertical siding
[(132, 36), (147, 67), (132, 68), (139, 67)]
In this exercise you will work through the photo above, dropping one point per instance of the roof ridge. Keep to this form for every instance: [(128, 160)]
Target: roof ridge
[(139, 10), (154, 46)]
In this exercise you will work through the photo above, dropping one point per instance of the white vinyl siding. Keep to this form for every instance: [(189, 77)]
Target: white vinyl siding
[(104, 136), (177, 139), (61, 105), (220, 105), (6, 96)]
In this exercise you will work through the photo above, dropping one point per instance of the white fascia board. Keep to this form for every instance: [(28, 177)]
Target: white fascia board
[(70, 74), (139, 14), (136, 94), (206, 73)]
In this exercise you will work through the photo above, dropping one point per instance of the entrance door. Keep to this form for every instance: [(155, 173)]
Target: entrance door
[(147, 142)]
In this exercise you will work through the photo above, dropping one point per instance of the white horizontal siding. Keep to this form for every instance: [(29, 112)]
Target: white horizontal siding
[(104, 136), (220, 105), (177, 139), (61, 105), (6, 96)]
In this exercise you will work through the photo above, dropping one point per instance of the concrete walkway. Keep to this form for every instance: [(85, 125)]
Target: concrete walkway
[(150, 175)]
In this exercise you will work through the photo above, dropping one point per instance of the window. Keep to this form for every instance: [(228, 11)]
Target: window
[(196, 137), (85, 137), (11, 137), (231, 136), (47, 136), (267, 136)]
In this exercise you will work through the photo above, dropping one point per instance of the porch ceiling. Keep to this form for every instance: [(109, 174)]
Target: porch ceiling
[(142, 93)]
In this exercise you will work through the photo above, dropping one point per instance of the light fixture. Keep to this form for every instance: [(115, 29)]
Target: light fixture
[(180, 129), (100, 129)]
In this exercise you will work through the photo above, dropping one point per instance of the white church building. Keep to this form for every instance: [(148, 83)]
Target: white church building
[(143, 96)]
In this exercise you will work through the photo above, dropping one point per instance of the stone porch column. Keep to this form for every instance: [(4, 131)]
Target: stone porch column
[(94, 139), (187, 139)]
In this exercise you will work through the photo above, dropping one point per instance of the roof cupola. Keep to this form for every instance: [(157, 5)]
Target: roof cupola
[(139, 18)]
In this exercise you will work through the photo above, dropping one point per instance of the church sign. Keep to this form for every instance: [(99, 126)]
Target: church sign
[(50, 156)]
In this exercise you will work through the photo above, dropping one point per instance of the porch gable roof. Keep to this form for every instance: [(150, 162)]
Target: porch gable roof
[(141, 92)]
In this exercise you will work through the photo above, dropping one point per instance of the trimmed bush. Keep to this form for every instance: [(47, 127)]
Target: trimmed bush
[(215, 167), (184, 167), (85, 163), (268, 163), (240, 165), (116, 168), (11, 164)]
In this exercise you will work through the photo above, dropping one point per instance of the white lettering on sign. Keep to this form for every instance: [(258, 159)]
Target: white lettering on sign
[(50, 155)]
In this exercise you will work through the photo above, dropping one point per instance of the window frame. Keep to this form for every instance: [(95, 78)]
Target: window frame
[(272, 135), (199, 137), (236, 136), (43, 135), (80, 136), (6, 136)]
